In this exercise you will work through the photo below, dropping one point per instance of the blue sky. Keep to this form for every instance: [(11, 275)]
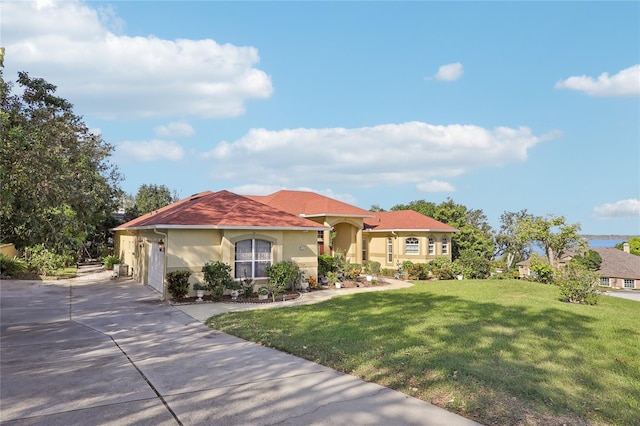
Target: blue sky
[(501, 106)]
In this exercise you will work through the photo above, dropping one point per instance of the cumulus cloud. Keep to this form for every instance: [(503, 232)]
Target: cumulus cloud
[(624, 83), (150, 150), (619, 209), (412, 152), (449, 72), (435, 186), (175, 130), (78, 48)]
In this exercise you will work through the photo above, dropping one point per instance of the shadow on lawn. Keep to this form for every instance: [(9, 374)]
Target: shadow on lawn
[(497, 363)]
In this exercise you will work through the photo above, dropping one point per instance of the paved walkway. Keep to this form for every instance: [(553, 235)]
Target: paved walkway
[(96, 351)]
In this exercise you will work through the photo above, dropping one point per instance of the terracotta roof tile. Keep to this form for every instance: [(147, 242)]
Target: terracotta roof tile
[(405, 219), (309, 204), (219, 209)]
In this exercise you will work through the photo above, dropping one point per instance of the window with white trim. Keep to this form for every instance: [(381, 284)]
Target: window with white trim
[(432, 246), (628, 283), (364, 249), (445, 246), (252, 257), (411, 246), (604, 281), (390, 250)]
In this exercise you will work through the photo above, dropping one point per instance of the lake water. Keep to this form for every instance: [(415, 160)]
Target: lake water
[(604, 243)]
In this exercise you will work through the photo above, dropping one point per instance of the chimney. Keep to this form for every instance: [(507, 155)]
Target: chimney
[(625, 248)]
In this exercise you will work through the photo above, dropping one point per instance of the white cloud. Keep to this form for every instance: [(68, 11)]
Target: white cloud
[(622, 208), (449, 72), (175, 130), (624, 83), (72, 45), (435, 186), (150, 150), (258, 189), (413, 152)]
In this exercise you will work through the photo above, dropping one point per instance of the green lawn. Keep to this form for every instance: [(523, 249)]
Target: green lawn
[(500, 352)]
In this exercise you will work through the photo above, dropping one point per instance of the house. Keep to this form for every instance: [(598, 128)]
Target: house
[(252, 232), (619, 268), (212, 226), (386, 237)]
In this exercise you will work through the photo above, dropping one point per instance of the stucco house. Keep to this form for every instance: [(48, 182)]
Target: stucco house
[(619, 268), (251, 232)]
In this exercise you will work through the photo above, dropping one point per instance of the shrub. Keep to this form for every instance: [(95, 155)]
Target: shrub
[(110, 260), (11, 266), (541, 271), (217, 275), (178, 283), (473, 265), (577, 284), (387, 272), (325, 264), (353, 270), (419, 270), (313, 283), (442, 268), (591, 259), (45, 261), (282, 275)]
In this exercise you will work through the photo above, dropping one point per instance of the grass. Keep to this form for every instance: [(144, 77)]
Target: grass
[(500, 352)]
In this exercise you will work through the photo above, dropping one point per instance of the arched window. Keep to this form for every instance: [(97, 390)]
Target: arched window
[(252, 258), (445, 246), (432, 246), (411, 246)]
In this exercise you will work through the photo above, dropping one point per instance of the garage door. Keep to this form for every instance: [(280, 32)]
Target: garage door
[(156, 267)]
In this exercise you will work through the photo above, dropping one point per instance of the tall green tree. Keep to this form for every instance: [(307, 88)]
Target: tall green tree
[(509, 245), (57, 185), (150, 197), (552, 233)]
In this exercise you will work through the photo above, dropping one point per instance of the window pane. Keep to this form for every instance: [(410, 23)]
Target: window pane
[(261, 269), (243, 269), (243, 250)]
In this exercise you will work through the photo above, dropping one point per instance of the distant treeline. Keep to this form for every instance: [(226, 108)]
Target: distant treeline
[(607, 237)]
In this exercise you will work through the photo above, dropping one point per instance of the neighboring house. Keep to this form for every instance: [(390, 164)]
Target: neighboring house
[(252, 232), (619, 268), (215, 226), (386, 237)]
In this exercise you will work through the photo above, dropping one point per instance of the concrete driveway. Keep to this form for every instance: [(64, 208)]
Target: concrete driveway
[(109, 352), (625, 294)]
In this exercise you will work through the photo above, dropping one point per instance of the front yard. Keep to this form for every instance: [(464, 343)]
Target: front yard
[(500, 352)]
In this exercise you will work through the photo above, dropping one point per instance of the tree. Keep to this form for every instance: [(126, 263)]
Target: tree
[(508, 244), (427, 208), (590, 260), (376, 208), (149, 198), (552, 234), (57, 186)]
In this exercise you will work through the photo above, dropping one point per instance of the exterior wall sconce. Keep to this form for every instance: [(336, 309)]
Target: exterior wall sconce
[(161, 245), (140, 243)]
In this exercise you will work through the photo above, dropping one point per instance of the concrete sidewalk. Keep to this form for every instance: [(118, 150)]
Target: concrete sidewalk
[(109, 352)]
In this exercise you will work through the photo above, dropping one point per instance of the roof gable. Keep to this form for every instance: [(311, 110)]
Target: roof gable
[(306, 203), (405, 220), (221, 209), (617, 263)]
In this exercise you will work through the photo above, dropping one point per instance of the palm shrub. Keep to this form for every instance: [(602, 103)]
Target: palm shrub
[(178, 284), (281, 275), (110, 260), (11, 266), (217, 275)]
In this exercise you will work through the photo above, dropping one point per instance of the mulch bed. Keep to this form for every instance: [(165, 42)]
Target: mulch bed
[(227, 299)]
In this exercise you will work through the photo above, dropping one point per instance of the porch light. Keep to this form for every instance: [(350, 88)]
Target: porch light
[(161, 245)]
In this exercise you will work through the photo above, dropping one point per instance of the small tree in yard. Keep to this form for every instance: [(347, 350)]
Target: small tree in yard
[(178, 283), (577, 284), (281, 275), (217, 275)]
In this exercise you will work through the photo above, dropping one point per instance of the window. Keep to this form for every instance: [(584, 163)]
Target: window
[(604, 281), (390, 250), (432, 246), (445, 246), (252, 258), (628, 283), (364, 249), (411, 246)]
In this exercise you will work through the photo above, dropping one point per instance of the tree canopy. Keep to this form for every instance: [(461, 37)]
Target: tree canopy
[(149, 197), (509, 245), (634, 245), (57, 185), (552, 234)]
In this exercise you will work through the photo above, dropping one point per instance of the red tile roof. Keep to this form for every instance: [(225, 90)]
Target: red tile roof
[(305, 203), (405, 220), (221, 209)]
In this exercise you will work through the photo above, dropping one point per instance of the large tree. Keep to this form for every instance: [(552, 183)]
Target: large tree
[(552, 234), (57, 185), (150, 197), (509, 245)]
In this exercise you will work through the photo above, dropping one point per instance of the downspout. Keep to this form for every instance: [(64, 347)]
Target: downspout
[(164, 264)]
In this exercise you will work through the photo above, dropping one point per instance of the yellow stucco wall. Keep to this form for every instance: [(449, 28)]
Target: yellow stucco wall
[(377, 247), (8, 250)]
